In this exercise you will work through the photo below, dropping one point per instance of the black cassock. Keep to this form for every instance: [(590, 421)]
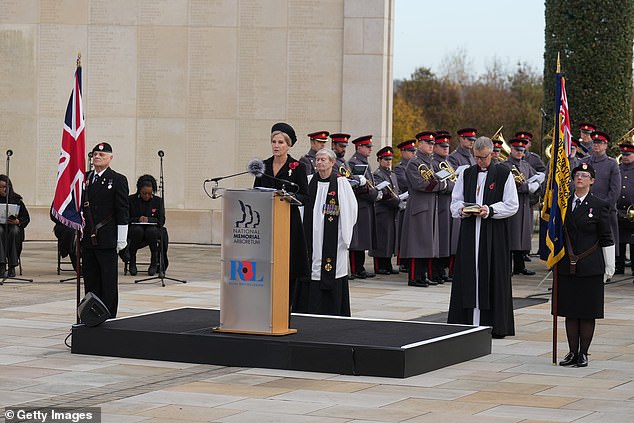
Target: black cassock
[(494, 258)]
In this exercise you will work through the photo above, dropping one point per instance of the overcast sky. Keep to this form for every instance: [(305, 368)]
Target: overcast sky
[(427, 31)]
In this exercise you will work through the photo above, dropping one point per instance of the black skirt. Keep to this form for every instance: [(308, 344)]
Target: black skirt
[(580, 297), (311, 299)]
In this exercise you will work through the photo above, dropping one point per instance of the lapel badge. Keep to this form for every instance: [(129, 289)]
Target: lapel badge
[(328, 266), (590, 213)]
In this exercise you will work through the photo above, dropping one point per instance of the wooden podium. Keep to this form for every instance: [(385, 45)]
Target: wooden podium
[(255, 262)]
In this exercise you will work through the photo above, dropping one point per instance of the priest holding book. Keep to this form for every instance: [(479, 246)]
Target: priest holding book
[(484, 197)]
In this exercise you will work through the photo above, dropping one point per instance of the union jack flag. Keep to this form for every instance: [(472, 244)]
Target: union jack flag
[(72, 162)]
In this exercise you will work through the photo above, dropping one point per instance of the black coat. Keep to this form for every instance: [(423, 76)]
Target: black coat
[(587, 225), (154, 209), (299, 260), (108, 200)]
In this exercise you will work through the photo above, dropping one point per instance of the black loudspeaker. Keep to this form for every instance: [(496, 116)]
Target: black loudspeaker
[(92, 311)]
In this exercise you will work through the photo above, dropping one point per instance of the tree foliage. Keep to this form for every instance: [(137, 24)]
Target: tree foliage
[(594, 40)]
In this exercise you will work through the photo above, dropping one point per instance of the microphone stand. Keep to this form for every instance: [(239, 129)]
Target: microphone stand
[(6, 276), (161, 270)]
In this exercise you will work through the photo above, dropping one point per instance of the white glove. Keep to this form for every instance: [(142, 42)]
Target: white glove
[(533, 186), (122, 237), (608, 258), (379, 196), (362, 181)]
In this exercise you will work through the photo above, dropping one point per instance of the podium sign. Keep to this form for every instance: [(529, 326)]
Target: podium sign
[(255, 262)]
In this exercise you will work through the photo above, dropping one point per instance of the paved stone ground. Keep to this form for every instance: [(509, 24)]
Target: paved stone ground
[(516, 383)]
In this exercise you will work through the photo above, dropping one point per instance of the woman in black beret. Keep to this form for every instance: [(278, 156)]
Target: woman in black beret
[(280, 167)]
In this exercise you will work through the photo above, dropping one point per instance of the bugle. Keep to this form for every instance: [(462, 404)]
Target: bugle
[(426, 172), (453, 177), (519, 177)]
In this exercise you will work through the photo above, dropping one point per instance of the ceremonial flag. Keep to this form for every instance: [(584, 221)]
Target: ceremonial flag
[(558, 187), (72, 161)]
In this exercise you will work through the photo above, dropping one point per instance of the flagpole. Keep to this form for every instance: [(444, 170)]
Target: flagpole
[(78, 237), (555, 158)]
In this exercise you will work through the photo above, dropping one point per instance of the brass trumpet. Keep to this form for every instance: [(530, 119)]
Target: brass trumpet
[(426, 172), (446, 166), (345, 172), (629, 213), (519, 177), (506, 150)]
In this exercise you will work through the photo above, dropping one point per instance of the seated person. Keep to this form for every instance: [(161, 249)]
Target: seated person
[(11, 232), (147, 217)]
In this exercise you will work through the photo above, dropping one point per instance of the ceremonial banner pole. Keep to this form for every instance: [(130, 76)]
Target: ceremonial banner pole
[(70, 170)]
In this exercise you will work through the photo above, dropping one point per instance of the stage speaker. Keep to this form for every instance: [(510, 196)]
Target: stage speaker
[(92, 311)]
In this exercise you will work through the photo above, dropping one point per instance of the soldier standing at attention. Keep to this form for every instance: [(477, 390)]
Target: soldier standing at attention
[(625, 201), (386, 214), (338, 143), (363, 236), (420, 227), (607, 185), (408, 150), (317, 142), (106, 210), (521, 223), (461, 156)]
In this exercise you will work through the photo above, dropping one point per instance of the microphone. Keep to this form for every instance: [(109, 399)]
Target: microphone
[(256, 167), (161, 153), (9, 153)]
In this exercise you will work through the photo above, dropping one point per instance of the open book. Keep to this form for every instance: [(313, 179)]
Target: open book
[(14, 209)]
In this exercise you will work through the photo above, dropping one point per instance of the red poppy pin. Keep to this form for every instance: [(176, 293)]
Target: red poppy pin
[(492, 185), (332, 193), (293, 165)]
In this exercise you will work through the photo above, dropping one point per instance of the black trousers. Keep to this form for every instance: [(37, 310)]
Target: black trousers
[(620, 258), (357, 259), (141, 235), (100, 271), (419, 269), (11, 251), (382, 263), (518, 260)]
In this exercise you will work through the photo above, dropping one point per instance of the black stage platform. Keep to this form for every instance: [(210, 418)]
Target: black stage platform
[(343, 345)]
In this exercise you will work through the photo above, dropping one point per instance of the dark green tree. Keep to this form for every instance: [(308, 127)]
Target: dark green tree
[(594, 39)]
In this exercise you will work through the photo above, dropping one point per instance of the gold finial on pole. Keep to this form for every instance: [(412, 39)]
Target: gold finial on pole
[(79, 58), (558, 64)]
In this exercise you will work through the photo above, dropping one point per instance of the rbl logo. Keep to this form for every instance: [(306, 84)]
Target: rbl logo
[(245, 271)]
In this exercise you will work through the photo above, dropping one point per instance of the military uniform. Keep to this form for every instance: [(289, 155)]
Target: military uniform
[(607, 185), (105, 208), (386, 216), (317, 141), (421, 216), (521, 223), (363, 235), (625, 200), (459, 157), (399, 171)]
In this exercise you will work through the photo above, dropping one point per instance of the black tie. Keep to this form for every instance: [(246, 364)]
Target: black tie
[(577, 204)]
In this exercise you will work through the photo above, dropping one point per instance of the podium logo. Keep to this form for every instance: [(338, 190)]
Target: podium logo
[(245, 271), (250, 217)]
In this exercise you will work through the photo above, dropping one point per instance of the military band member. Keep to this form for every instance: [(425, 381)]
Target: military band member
[(386, 213), (461, 156), (420, 227), (363, 237), (441, 152), (573, 159), (317, 142), (625, 201), (338, 143), (607, 185), (585, 132), (408, 150), (533, 159), (521, 223), (495, 154)]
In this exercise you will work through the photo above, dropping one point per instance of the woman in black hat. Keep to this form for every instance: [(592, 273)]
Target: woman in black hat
[(278, 168), (587, 263)]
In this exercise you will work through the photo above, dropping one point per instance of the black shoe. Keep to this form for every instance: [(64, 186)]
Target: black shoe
[(383, 272), (438, 280), (11, 272), (365, 275), (569, 360), (393, 271), (3, 271), (619, 271), (582, 360), (496, 336), (524, 272), (448, 279), (418, 283), (132, 269), (402, 268), (527, 257), (151, 271), (351, 277)]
